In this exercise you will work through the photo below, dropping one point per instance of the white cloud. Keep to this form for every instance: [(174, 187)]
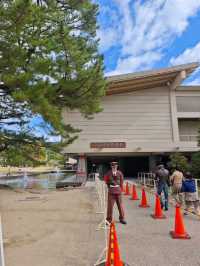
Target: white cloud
[(189, 55), (146, 29), (196, 81), (108, 33), (108, 38), (135, 62), (53, 138)]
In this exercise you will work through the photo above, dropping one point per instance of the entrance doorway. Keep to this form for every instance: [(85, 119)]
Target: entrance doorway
[(130, 166)]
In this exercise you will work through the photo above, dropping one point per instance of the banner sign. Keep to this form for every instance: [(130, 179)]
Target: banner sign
[(108, 145)]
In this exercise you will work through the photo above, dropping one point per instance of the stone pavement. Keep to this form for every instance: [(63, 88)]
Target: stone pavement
[(145, 241)]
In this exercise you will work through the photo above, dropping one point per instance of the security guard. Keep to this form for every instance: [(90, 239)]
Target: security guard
[(114, 179)]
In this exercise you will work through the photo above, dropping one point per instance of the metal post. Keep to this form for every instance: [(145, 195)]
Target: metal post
[(144, 180), (2, 261), (196, 185)]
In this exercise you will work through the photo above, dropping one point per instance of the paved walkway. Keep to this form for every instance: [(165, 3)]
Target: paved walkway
[(146, 242)]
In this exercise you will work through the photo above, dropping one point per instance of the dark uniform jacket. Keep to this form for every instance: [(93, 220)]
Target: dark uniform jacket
[(114, 182)]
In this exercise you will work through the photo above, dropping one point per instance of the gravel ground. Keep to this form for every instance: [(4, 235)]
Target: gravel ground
[(53, 229), (146, 242)]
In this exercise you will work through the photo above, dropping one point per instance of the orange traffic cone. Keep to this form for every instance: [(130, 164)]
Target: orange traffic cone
[(179, 231), (158, 211), (127, 189), (143, 203), (113, 256), (134, 193), (124, 188)]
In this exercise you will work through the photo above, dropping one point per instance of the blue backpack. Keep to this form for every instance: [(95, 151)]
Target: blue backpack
[(188, 186)]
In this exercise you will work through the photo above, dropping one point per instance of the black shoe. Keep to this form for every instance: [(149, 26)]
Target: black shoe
[(123, 222), (166, 209)]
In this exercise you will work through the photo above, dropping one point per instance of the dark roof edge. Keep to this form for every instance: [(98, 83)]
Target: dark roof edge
[(187, 67)]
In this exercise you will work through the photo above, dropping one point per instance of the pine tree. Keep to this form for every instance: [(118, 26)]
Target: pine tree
[(49, 60)]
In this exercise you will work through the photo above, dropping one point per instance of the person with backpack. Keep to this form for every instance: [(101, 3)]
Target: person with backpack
[(191, 196), (162, 177)]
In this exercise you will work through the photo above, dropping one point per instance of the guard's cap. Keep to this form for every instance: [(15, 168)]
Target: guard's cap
[(113, 163)]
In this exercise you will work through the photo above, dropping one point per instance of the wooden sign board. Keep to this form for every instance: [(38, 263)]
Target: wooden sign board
[(108, 145)]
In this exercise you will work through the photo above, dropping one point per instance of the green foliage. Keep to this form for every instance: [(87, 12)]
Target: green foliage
[(50, 60), (180, 161), (24, 149), (27, 155), (195, 164), (55, 158)]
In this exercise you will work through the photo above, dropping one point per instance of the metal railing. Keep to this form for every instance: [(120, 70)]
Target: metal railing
[(146, 179), (91, 176), (101, 190), (188, 137)]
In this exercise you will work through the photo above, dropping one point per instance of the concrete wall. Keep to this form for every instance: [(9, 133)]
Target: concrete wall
[(147, 120), (141, 118)]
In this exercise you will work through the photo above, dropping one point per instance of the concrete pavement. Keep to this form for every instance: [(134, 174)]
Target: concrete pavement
[(146, 242)]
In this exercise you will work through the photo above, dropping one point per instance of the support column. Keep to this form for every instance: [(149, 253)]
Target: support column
[(179, 78), (174, 119), (82, 167)]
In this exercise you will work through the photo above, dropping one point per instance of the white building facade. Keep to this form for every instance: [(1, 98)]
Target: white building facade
[(146, 116)]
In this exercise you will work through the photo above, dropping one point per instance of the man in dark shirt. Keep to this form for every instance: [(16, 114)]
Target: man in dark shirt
[(114, 180), (162, 177)]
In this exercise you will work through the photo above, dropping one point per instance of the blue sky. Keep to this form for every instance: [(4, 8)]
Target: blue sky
[(140, 35)]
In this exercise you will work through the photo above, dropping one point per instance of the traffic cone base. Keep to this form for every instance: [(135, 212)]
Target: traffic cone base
[(178, 236), (104, 264), (144, 206), (134, 199), (158, 217)]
